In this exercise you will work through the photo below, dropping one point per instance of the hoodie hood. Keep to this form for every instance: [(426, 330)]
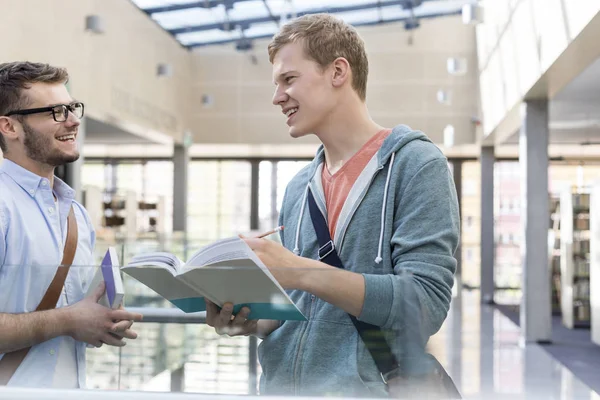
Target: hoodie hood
[(400, 136)]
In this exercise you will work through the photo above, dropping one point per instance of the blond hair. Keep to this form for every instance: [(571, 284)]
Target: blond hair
[(324, 39)]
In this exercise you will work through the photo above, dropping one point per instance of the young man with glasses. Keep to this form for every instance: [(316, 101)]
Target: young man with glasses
[(40, 222)]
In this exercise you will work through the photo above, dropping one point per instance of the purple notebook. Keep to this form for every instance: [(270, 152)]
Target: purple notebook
[(109, 279)]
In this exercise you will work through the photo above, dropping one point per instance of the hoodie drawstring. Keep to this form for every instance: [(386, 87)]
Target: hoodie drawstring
[(378, 259), (296, 248), (385, 192)]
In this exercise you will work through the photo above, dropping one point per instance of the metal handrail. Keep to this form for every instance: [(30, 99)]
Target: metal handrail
[(17, 393), (169, 315)]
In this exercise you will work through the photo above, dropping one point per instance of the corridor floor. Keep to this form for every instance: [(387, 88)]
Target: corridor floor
[(480, 348)]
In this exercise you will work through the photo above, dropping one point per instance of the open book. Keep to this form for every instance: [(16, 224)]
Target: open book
[(224, 271)]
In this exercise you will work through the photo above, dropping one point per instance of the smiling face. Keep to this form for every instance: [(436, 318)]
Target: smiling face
[(38, 136), (304, 91)]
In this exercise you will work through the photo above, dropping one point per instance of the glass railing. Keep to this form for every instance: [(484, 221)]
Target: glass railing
[(178, 352), (183, 355)]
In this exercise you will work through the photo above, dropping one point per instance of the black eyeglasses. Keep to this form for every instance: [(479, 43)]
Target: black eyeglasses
[(60, 112)]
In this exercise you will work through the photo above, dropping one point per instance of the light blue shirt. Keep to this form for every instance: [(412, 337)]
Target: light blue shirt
[(32, 236)]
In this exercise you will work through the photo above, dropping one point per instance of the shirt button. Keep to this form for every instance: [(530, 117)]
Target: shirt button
[(44, 183), (50, 210), (52, 352), (31, 191)]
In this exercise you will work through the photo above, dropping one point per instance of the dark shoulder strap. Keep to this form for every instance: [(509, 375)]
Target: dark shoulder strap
[(371, 335), (11, 361)]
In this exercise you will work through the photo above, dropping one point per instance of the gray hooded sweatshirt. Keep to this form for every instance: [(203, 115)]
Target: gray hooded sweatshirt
[(399, 228)]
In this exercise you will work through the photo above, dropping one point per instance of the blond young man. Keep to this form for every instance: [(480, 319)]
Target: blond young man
[(391, 210)]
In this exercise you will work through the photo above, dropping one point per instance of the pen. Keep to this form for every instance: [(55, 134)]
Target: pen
[(272, 231)]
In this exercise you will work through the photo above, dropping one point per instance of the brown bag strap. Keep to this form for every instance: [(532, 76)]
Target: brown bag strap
[(11, 361)]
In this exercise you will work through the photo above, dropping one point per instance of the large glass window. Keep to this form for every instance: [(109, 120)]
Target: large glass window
[(218, 200), (273, 179)]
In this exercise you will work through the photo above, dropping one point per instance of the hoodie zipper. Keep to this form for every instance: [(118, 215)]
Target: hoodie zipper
[(313, 297), (301, 345)]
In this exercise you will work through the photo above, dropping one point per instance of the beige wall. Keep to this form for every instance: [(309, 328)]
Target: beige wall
[(403, 83), (518, 43), (113, 73)]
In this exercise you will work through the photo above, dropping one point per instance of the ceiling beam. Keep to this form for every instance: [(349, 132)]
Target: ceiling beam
[(195, 4), (422, 16), (247, 22), (216, 3)]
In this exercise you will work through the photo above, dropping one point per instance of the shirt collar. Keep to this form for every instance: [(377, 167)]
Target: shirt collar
[(30, 182), (62, 189)]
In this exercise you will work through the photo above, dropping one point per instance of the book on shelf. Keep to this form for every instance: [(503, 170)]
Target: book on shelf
[(224, 271), (109, 273)]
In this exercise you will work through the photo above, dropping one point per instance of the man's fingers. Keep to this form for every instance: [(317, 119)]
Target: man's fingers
[(98, 292), (129, 334), (118, 315), (242, 316), (121, 330), (250, 326), (254, 243), (225, 314), (121, 326), (212, 312), (112, 340)]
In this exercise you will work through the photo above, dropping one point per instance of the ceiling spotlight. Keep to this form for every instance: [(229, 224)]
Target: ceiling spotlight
[(456, 65), (449, 136), (472, 14), (244, 45), (94, 24), (443, 97), (207, 100), (411, 24), (408, 4), (164, 69)]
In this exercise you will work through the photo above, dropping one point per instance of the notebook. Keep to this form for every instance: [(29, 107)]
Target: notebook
[(110, 273)]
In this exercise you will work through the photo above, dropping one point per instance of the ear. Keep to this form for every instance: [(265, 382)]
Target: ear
[(341, 72), (8, 128)]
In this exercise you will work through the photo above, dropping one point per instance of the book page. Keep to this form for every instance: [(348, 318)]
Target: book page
[(198, 254), (236, 281), (234, 254), (226, 249), (162, 281), (157, 259)]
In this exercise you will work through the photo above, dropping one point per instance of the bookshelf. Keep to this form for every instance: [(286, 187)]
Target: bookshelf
[(575, 258), (595, 264), (554, 256), (124, 215)]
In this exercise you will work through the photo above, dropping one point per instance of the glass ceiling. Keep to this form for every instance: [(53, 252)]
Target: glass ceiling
[(196, 23)]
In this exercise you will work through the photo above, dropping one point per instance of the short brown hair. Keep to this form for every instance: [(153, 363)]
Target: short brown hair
[(326, 38), (17, 76)]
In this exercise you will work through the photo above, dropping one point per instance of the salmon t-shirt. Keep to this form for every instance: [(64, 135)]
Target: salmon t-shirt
[(337, 186)]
